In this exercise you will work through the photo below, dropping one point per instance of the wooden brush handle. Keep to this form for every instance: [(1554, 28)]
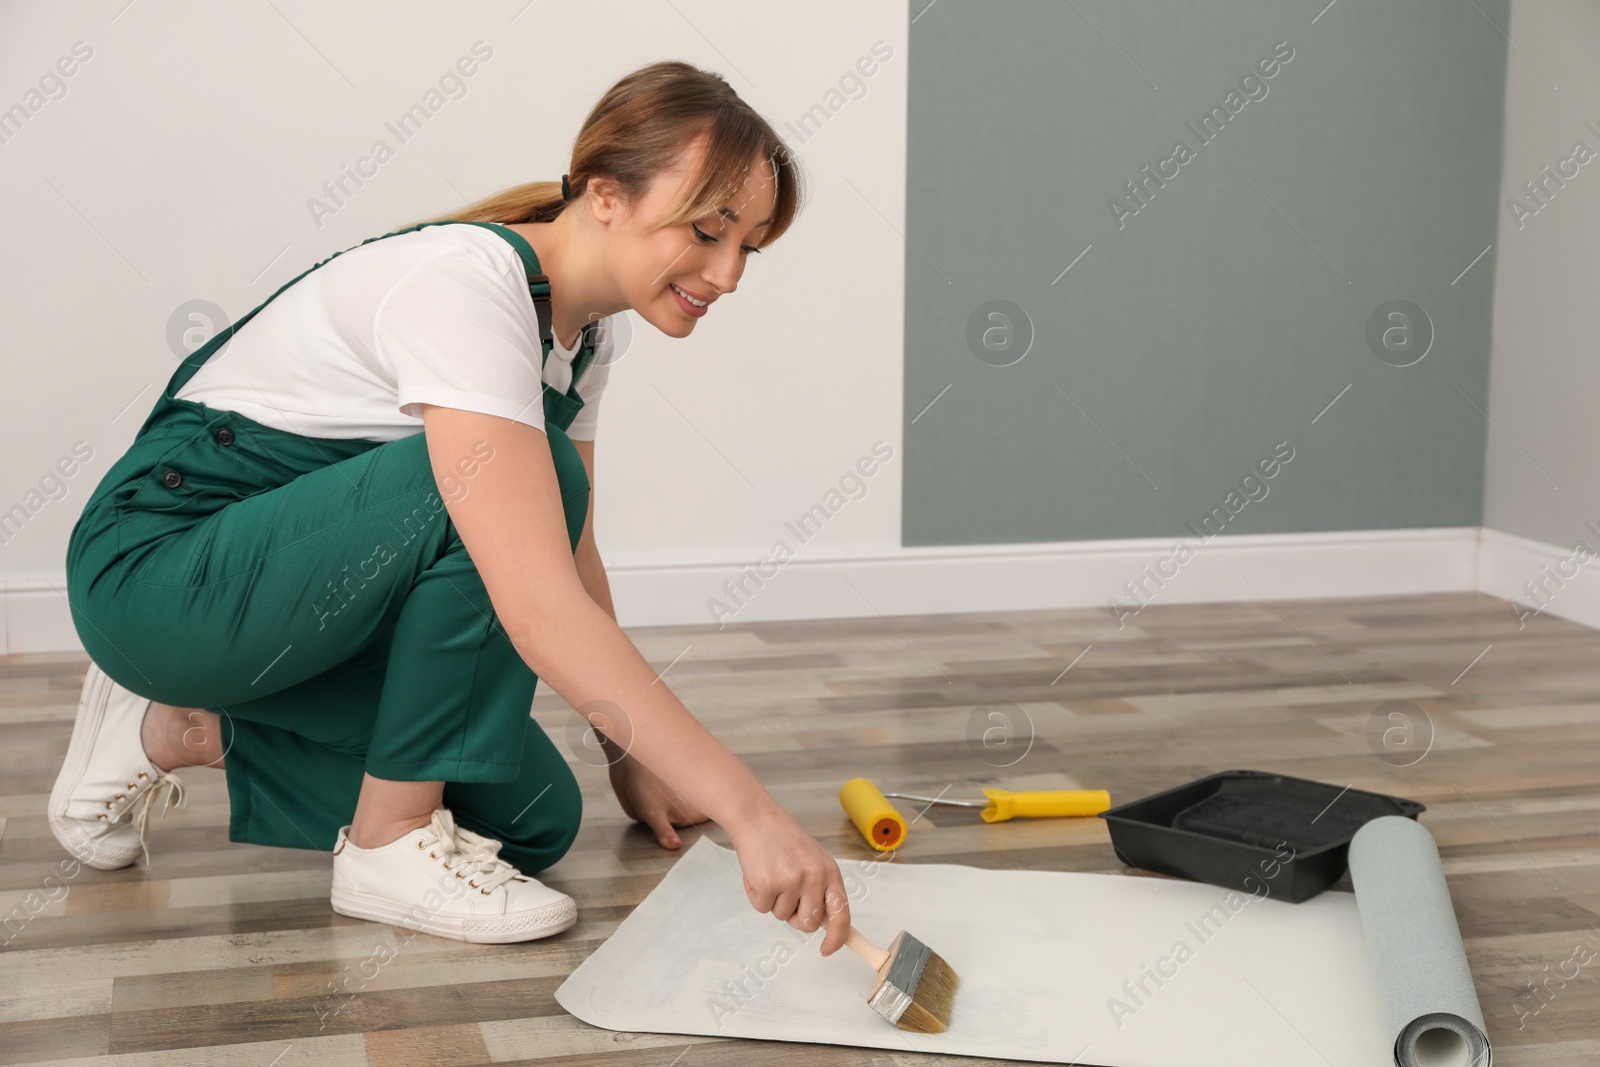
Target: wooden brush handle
[(875, 956)]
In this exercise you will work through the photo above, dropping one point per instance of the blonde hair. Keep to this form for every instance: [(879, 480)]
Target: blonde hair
[(639, 129)]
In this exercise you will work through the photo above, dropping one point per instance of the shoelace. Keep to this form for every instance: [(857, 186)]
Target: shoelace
[(478, 861), (475, 842), (142, 795)]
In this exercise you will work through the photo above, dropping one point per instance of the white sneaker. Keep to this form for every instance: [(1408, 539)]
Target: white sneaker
[(100, 806), (449, 882)]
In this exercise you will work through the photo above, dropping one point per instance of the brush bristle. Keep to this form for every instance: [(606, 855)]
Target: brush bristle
[(931, 1001)]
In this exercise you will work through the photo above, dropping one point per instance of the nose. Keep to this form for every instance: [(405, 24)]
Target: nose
[(720, 284), (722, 275)]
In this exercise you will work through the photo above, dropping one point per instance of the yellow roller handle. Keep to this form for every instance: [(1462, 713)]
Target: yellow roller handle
[(872, 813), (1004, 804)]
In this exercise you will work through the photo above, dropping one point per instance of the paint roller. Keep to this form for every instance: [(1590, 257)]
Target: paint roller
[(885, 829)]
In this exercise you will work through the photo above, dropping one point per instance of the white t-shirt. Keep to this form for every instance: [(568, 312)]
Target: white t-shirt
[(440, 315)]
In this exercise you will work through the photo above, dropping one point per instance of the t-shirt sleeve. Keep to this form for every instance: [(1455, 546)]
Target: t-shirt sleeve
[(592, 382), (457, 332)]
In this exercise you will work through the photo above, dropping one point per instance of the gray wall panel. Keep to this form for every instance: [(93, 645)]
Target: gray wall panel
[(1223, 317)]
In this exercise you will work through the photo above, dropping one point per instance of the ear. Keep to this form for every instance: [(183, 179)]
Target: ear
[(605, 199)]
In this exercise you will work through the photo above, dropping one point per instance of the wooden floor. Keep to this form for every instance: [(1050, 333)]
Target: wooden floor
[(220, 953)]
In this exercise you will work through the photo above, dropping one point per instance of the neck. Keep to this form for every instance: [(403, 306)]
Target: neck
[(580, 290)]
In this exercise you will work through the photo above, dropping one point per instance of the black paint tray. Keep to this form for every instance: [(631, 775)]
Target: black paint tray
[(1259, 833)]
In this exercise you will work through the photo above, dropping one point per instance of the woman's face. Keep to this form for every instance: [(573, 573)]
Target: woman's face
[(703, 258)]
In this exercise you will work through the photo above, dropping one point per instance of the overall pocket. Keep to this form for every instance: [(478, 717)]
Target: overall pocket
[(185, 480)]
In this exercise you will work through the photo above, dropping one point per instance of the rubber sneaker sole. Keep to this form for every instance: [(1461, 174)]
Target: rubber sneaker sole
[(478, 929)]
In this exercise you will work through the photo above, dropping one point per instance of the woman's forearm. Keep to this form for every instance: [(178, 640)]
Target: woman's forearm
[(581, 653), (592, 572)]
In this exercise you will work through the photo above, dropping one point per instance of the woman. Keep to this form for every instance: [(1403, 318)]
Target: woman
[(285, 579)]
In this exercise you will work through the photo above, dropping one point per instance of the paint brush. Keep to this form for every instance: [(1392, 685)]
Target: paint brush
[(915, 988)]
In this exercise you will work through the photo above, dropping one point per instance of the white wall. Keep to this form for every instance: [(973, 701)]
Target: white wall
[(1542, 482), (179, 162)]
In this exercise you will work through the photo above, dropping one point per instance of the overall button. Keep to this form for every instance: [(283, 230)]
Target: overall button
[(171, 478), (224, 436)]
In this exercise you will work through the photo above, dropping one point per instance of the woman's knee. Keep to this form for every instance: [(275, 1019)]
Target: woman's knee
[(536, 823)]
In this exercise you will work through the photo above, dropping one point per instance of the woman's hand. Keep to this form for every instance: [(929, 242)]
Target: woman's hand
[(646, 798), (787, 872)]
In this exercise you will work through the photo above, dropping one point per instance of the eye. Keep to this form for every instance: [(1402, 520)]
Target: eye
[(708, 239)]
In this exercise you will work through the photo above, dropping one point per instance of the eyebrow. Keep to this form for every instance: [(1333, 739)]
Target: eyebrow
[(733, 216)]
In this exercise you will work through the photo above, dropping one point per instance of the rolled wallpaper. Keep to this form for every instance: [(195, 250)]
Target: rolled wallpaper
[(1414, 947)]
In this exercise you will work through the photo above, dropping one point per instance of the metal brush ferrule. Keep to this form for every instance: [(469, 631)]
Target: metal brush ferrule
[(905, 971)]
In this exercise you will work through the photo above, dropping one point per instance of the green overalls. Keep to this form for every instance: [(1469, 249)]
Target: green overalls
[(315, 593)]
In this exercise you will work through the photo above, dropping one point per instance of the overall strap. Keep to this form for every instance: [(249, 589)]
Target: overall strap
[(539, 289)]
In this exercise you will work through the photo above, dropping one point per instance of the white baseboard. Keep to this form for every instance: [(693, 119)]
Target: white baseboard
[(1539, 578), (1063, 574), (34, 616), (1066, 574)]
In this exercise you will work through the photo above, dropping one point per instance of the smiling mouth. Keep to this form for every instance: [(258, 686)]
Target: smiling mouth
[(697, 301)]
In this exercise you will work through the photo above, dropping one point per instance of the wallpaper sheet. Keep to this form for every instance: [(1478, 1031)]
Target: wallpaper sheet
[(1122, 970)]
